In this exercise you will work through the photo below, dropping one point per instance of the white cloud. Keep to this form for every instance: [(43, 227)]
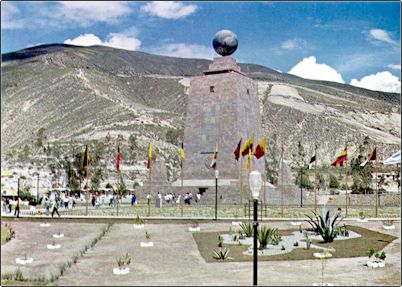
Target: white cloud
[(182, 50), (115, 40), (169, 9), (309, 68), (395, 67), (382, 81), (8, 13), (292, 44), (86, 13), (381, 35)]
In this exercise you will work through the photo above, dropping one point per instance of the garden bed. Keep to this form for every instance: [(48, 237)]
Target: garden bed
[(354, 247)]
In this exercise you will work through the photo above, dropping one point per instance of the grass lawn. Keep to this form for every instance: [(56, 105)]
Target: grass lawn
[(355, 247)]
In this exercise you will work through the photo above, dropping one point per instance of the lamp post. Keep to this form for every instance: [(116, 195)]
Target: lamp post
[(255, 186), (301, 186), (216, 194)]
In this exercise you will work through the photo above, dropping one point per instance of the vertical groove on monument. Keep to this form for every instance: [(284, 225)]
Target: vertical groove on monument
[(222, 107)]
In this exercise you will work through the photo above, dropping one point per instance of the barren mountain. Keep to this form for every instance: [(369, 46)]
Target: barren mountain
[(76, 94)]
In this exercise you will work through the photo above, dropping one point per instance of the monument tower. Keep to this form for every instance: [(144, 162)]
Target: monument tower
[(223, 107)]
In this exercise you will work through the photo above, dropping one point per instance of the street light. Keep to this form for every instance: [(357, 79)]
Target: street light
[(216, 193), (255, 186)]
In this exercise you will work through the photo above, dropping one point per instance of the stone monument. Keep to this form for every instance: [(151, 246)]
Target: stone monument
[(223, 107)]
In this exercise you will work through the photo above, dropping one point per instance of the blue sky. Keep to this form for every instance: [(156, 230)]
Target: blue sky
[(350, 42)]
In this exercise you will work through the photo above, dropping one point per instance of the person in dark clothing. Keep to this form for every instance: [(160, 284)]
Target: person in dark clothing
[(55, 207), (17, 208), (133, 199)]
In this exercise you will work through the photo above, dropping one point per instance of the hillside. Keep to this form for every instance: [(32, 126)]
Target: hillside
[(75, 94)]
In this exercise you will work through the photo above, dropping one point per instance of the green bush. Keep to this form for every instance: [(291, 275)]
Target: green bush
[(333, 182), (325, 225), (247, 229), (221, 254)]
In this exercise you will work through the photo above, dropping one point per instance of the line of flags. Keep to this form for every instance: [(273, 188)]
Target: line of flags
[(247, 150)]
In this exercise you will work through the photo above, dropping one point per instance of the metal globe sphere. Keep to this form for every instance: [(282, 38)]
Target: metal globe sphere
[(225, 42)]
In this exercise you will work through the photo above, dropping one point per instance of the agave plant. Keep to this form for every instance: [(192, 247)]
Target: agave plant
[(247, 229), (267, 235), (221, 254), (325, 225)]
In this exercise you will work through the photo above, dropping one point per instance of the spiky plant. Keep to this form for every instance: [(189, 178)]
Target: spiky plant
[(247, 229), (221, 254), (266, 235), (325, 225)]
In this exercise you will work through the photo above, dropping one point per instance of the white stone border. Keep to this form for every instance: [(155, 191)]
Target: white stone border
[(51, 246), (22, 260), (137, 226), (58, 235), (362, 220), (194, 229), (374, 264), (147, 244), (44, 224), (121, 271), (295, 223), (236, 223), (322, 255), (388, 227)]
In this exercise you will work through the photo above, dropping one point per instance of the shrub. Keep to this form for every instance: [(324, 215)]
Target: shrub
[(325, 225), (247, 229), (220, 241), (296, 244), (147, 235), (267, 236), (370, 252), (382, 256), (124, 260), (221, 254), (333, 182), (139, 220), (18, 275), (283, 248)]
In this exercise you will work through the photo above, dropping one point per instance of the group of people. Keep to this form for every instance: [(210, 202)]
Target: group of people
[(170, 198)]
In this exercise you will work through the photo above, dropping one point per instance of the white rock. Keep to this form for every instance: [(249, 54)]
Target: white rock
[(147, 244), (389, 227), (121, 271), (45, 224), (51, 246), (138, 225), (22, 260), (193, 229), (58, 235)]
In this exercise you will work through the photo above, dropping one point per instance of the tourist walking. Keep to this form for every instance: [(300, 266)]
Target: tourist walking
[(47, 205), (133, 199), (17, 208), (55, 206)]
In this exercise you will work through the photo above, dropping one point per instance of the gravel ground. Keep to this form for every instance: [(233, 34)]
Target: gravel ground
[(175, 259), (32, 239)]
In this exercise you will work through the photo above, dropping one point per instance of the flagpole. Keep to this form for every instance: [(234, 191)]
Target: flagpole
[(346, 182), (149, 190), (376, 181), (182, 186), (282, 189), (241, 179), (86, 190), (118, 192), (315, 180)]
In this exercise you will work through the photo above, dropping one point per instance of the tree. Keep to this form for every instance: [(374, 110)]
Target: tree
[(122, 186), (306, 183), (333, 181), (133, 147), (24, 155), (40, 137), (173, 136)]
